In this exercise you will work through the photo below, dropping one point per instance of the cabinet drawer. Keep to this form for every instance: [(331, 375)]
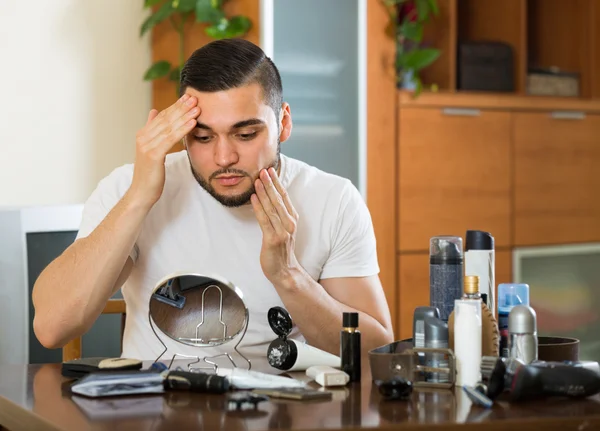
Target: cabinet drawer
[(454, 175), (557, 183)]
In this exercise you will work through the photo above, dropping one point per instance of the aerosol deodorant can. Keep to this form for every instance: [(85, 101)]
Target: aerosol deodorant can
[(446, 273), (480, 260)]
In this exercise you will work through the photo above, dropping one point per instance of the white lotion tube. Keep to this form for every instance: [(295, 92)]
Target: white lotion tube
[(309, 356), (467, 341)]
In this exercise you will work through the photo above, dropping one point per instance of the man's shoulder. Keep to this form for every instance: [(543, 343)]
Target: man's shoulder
[(310, 179)]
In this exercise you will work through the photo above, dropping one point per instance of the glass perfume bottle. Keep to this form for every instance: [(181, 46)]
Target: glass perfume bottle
[(490, 335)]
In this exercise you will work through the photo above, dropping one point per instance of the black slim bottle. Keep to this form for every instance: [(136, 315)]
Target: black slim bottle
[(350, 346)]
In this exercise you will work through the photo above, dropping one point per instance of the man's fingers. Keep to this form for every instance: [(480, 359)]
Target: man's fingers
[(151, 115), (276, 201), (166, 119), (269, 208), (169, 137), (261, 216), (285, 197)]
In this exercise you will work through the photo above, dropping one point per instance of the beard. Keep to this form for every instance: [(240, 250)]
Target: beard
[(236, 200)]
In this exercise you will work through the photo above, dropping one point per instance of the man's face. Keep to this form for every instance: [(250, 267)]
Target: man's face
[(237, 136)]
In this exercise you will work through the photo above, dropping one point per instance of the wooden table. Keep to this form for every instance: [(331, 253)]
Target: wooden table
[(32, 397)]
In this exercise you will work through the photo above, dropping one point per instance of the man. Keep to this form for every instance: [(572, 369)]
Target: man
[(287, 234)]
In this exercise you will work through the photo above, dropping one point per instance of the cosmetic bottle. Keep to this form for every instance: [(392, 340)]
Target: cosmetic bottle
[(522, 334), (509, 296), (467, 341), (350, 346), (480, 260), (445, 273), (436, 337), (490, 335), (419, 323)]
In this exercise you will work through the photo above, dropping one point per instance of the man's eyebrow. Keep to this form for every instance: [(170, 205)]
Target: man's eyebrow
[(246, 123), (200, 125), (238, 125)]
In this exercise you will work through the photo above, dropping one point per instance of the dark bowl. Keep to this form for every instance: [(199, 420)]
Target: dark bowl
[(558, 349)]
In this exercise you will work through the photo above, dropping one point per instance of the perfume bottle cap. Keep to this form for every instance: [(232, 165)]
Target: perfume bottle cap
[(350, 320), (280, 321), (436, 332), (471, 284), (479, 240), (522, 320), (446, 249), (511, 294)]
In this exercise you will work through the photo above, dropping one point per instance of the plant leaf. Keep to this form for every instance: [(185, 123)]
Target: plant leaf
[(418, 59), (205, 12), (418, 85), (434, 7), (227, 29), (157, 70), (175, 74), (184, 5), (412, 31), (150, 3), (160, 15), (423, 8)]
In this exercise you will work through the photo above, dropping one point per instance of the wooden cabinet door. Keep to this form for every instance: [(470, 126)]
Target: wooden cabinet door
[(454, 174), (557, 180), (414, 285)]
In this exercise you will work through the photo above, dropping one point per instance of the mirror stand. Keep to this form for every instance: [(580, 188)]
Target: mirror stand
[(206, 359)]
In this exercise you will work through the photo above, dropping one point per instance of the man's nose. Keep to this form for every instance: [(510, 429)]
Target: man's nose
[(225, 153)]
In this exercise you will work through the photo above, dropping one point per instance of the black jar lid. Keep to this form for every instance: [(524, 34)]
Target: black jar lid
[(282, 354), (280, 321)]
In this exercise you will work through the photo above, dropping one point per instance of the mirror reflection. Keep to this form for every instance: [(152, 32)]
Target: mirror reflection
[(198, 310)]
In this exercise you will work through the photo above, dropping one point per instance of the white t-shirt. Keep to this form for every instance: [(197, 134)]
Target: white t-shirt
[(187, 230)]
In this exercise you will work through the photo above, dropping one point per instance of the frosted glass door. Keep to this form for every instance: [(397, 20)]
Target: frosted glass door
[(564, 292), (316, 48)]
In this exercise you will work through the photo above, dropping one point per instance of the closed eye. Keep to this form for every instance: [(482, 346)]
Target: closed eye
[(247, 136), (202, 139)]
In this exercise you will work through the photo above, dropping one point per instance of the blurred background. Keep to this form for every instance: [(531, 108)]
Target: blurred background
[(447, 115)]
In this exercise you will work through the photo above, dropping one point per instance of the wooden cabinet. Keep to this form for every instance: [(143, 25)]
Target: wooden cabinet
[(454, 174), (414, 285), (557, 183)]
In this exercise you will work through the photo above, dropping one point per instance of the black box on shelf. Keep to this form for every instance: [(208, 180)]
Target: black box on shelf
[(485, 66)]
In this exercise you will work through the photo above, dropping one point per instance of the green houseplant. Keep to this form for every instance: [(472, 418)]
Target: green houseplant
[(406, 25), (178, 12)]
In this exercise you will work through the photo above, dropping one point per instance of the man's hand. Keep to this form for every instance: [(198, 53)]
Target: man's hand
[(278, 220), (153, 142)]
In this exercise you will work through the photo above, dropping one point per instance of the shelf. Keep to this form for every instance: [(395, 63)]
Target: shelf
[(499, 21), (541, 33), (440, 33), (497, 101), (559, 35)]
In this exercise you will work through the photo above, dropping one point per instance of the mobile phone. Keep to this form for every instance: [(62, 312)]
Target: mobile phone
[(302, 394)]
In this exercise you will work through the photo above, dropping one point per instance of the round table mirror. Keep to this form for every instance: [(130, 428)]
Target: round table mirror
[(198, 310)]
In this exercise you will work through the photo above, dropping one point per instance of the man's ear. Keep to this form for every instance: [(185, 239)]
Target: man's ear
[(285, 122)]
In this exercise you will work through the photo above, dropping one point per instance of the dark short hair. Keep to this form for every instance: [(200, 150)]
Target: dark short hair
[(231, 63)]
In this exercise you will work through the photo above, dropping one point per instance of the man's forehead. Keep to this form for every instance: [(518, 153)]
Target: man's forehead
[(223, 109), (244, 95)]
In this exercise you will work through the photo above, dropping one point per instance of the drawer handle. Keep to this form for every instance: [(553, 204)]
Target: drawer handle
[(461, 112), (568, 115)]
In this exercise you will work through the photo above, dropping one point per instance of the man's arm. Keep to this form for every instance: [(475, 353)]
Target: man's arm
[(317, 309), (71, 292)]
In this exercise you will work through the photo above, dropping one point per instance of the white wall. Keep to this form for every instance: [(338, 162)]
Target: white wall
[(71, 95)]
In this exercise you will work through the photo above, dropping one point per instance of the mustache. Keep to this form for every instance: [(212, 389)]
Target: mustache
[(230, 171)]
